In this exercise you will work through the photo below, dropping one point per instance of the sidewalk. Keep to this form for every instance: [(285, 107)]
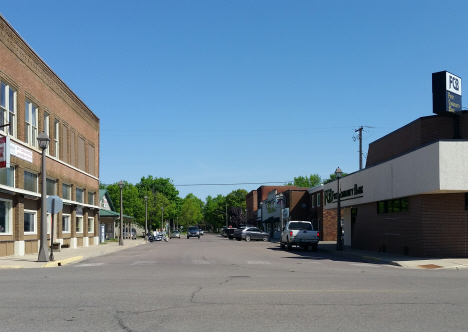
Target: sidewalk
[(66, 256), (397, 260)]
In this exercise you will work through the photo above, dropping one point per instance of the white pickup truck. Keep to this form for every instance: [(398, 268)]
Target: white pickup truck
[(299, 233)]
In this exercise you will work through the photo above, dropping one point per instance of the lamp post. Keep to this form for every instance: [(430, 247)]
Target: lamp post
[(146, 219), (339, 245), (280, 197), (121, 185), (43, 141)]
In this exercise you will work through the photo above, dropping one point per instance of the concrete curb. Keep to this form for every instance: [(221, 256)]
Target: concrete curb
[(63, 261), (6, 267)]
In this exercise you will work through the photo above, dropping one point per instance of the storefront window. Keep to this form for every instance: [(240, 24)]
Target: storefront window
[(393, 206), (7, 176), (5, 218)]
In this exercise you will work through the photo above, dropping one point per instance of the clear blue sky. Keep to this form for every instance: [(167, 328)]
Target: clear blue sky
[(210, 92)]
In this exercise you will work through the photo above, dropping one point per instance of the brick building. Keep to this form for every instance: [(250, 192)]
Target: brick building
[(34, 99), (412, 196)]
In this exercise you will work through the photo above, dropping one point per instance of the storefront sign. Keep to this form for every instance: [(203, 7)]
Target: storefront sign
[(446, 93), (21, 152), (331, 196), (4, 152)]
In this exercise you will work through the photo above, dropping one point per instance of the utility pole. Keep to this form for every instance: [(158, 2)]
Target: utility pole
[(360, 146), (226, 215)]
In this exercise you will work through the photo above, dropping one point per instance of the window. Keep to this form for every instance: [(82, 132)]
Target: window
[(72, 148), (90, 198), (90, 225), (79, 224), (8, 108), (81, 154), (66, 225), (7, 176), (313, 201), (30, 181), (393, 206), (30, 125), (46, 129), (65, 143), (91, 166), (6, 219), (66, 191), (56, 138), (318, 200), (30, 222), (79, 195), (51, 187)]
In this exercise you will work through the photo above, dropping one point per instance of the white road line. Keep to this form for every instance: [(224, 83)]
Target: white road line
[(258, 262)]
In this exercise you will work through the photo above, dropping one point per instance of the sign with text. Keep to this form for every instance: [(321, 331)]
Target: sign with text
[(21, 152), (4, 152), (446, 93)]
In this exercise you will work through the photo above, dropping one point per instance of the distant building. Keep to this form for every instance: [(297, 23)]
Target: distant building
[(34, 99)]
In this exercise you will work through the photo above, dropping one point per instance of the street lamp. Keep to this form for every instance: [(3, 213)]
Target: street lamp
[(43, 141), (121, 185), (146, 219), (339, 245), (280, 197)]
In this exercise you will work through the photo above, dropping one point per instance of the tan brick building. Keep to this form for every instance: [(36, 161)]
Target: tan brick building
[(34, 99)]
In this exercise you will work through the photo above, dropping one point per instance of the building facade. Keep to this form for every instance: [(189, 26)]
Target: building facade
[(411, 198), (34, 99)]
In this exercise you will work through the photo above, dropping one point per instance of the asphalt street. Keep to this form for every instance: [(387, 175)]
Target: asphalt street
[(216, 284)]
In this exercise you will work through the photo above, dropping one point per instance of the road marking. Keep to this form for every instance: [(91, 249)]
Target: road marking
[(258, 262), (90, 264), (143, 263), (201, 261)]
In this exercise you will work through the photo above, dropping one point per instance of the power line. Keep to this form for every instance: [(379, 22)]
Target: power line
[(226, 184)]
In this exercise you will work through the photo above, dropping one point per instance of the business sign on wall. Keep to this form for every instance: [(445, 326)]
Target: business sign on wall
[(21, 152), (446, 93), (331, 196)]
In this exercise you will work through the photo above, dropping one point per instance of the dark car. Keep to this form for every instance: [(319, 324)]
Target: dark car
[(193, 231), (250, 233)]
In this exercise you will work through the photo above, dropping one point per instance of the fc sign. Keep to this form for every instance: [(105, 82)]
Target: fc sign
[(446, 93)]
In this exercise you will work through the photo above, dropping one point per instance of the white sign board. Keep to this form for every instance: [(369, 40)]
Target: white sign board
[(21, 152)]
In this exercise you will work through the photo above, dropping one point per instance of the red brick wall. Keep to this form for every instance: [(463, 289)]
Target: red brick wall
[(435, 226)]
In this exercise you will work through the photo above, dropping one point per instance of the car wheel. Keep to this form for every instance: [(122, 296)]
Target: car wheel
[(198, 236), (238, 238), (265, 238), (314, 247), (289, 245), (247, 238), (188, 237), (282, 245)]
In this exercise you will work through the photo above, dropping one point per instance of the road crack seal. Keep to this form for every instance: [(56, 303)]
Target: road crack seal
[(194, 293)]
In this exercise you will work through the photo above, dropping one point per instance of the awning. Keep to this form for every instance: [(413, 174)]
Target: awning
[(271, 220)]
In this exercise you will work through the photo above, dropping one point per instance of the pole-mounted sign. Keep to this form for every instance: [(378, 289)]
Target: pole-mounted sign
[(446, 93)]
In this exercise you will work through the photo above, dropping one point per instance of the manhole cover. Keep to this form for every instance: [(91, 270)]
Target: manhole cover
[(430, 266)]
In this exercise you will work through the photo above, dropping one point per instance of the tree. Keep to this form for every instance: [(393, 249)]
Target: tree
[(191, 212), (333, 177), (132, 205), (306, 181), (214, 211)]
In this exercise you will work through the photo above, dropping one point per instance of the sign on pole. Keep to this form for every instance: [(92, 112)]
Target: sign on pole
[(4, 152)]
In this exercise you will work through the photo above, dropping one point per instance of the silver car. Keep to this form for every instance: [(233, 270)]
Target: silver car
[(251, 233)]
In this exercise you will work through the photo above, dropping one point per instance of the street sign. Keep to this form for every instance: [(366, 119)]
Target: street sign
[(58, 204)]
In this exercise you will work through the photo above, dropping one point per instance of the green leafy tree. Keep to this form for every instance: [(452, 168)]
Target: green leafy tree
[(214, 211), (132, 205), (306, 181), (191, 212)]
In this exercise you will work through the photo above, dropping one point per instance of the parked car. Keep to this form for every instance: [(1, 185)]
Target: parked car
[(193, 231), (250, 233), (223, 232), (299, 233), (175, 234), (230, 231)]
